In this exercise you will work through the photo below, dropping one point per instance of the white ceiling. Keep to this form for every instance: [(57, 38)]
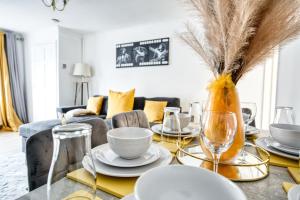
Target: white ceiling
[(87, 15)]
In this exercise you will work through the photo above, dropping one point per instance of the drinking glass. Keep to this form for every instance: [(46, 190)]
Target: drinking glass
[(195, 113), (71, 150), (171, 124), (249, 113), (284, 115), (219, 129)]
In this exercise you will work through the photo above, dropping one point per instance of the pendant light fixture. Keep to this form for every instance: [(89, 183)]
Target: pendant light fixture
[(58, 5)]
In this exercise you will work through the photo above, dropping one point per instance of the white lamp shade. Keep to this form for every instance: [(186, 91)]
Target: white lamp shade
[(82, 69)]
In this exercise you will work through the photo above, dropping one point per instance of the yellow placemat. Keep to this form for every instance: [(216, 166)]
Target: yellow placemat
[(287, 186), (295, 173), (80, 195), (170, 142), (279, 160), (116, 186)]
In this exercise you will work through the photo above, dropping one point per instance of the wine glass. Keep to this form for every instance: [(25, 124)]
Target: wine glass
[(284, 115), (219, 129), (249, 110)]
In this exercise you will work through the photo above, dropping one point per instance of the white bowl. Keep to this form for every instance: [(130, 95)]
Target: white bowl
[(286, 134), (178, 182), (294, 193), (129, 142)]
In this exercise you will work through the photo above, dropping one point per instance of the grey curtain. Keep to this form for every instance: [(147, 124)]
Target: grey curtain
[(16, 66)]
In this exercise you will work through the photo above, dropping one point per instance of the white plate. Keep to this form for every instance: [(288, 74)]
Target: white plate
[(164, 160), (105, 155), (283, 148), (157, 129), (179, 182), (264, 143), (251, 131), (293, 194), (128, 197)]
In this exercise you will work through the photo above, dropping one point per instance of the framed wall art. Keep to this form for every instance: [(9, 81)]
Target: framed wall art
[(143, 54)]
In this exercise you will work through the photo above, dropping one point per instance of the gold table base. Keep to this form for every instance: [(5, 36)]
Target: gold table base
[(248, 166)]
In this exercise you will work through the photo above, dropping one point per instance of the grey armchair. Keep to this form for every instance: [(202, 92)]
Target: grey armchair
[(39, 149), (136, 118)]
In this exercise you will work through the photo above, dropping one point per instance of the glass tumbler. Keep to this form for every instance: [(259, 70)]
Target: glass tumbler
[(71, 150), (195, 113), (284, 115), (171, 125)]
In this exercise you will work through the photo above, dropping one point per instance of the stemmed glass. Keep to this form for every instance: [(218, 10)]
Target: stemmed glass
[(219, 129), (249, 113)]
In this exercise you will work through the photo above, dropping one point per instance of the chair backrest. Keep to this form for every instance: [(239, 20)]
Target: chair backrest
[(136, 118), (249, 112), (39, 149)]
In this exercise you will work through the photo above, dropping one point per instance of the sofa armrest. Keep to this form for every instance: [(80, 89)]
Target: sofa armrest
[(65, 109)]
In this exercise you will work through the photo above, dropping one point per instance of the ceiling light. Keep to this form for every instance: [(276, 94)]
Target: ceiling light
[(55, 20), (58, 5)]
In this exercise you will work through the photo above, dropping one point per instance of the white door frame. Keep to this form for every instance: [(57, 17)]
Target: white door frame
[(270, 89)]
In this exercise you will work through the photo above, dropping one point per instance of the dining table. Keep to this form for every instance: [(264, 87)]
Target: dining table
[(268, 188)]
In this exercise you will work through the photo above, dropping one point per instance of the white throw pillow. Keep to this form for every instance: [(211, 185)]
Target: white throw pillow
[(77, 113)]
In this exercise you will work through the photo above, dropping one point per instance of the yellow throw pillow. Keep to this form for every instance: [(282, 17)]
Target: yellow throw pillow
[(94, 104), (119, 102), (155, 110)]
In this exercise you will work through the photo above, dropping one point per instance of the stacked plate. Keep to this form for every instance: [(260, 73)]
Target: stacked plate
[(110, 164), (187, 131), (284, 141)]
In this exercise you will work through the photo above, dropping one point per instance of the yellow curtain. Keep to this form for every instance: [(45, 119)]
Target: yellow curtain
[(9, 118)]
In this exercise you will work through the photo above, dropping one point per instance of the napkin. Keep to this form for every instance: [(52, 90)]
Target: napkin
[(279, 160), (295, 173), (286, 186), (170, 142), (80, 195), (116, 186)]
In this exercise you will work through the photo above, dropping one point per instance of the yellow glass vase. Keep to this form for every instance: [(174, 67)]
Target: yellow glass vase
[(223, 97)]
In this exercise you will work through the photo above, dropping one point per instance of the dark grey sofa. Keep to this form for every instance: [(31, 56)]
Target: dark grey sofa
[(139, 104), (27, 130), (30, 129), (39, 150)]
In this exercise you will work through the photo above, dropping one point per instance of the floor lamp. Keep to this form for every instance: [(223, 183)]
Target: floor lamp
[(83, 71)]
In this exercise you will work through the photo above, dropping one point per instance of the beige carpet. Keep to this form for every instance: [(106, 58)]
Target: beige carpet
[(13, 170)]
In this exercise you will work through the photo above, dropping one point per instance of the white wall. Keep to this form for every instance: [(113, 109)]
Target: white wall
[(186, 77), (69, 54), (288, 92)]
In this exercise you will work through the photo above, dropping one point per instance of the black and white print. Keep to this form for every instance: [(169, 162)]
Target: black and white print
[(144, 53)]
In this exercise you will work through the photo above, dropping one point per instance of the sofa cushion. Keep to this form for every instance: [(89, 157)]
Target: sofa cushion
[(154, 110), (172, 102), (119, 102), (94, 104)]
